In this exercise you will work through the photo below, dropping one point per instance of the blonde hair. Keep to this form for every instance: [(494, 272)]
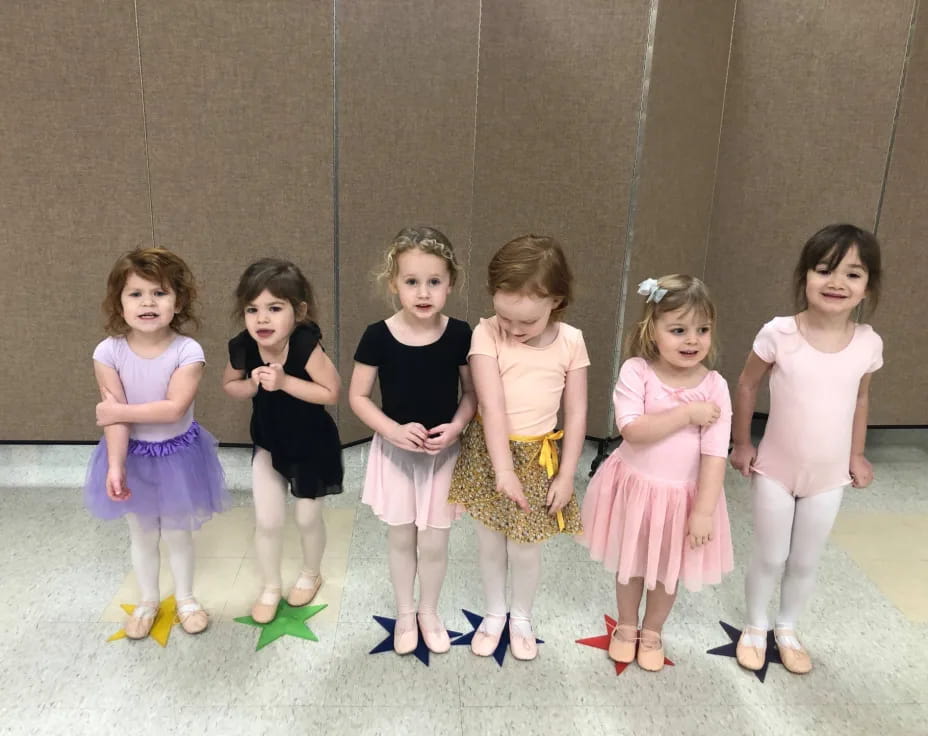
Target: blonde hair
[(424, 238), (683, 292), (535, 264)]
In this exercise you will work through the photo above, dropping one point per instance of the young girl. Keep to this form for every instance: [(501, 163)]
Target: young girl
[(524, 360), (654, 513), (155, 464), (420, 358), (820, 362), (279, 363)]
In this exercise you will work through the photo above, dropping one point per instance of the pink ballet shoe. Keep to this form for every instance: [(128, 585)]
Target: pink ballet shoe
[(650, 651), (484, 643), (405, 638), (304, 589), (265, 608), (749, 656), (142, 619), (523, 648), (793, 655), (623, 643), (434, 633), (193, 619)]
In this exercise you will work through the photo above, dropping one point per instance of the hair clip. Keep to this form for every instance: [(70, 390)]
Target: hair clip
[(650, 289)]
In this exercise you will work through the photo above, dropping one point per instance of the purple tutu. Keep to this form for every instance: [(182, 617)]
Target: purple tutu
[(174, 484)]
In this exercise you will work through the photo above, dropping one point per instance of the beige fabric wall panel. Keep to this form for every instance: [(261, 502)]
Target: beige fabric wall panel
[(898, 394), (407, 76), (809, 108), (681, 138), (239, 108), (73, 195), (557, 117)]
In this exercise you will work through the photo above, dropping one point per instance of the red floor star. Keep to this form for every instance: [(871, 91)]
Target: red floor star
[(602, 642)]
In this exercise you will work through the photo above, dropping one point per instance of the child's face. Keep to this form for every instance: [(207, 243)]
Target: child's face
[(523, 317), (838, 291), (422, 283), (147, 306), (270, 320), (683, 338)]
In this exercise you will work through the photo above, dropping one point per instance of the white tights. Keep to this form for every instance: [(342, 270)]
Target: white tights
[(496, 552), (412, 551), (270, 490), (789, 538), (146, 559)]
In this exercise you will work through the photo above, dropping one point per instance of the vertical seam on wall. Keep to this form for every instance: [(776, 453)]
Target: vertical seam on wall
[(151, 201), (892, 134), (337, 312), (633, 199), (718, 145), (473, 167)]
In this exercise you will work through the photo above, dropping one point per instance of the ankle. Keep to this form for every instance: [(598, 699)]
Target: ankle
[(493, 623)]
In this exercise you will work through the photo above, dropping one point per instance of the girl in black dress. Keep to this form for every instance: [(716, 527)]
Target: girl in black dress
[(279, 363)]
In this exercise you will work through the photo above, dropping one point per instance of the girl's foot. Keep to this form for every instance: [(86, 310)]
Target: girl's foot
[(434, 632), (650, 651), (193, 618), (623, 643), (265, 608), (140, 622), (751, 651), (488, 634), (304, 589), (793, 655), (522, 642), (406, 633)]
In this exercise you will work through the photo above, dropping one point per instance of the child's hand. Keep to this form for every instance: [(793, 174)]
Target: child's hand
[(743, 457), (270, 377), (703, 413), (510, 486), (442, 436), (698, 529), (108, 410), (116, 487), (410, 436), (861, 471), (559, 494)]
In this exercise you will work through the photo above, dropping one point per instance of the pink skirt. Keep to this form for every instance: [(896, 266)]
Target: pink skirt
[(636, 526), (405, 487)]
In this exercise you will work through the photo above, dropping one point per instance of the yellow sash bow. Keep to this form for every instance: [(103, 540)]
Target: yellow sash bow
[(547, 458)]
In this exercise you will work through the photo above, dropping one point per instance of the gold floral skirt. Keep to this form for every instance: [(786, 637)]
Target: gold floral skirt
[(473, 485)]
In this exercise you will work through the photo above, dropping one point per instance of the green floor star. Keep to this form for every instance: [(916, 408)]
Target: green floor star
[(288, 621)]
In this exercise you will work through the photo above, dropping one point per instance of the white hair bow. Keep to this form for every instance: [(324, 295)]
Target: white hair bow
[(650, 289)]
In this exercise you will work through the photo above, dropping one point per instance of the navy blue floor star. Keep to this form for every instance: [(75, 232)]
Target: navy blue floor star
[(728, 650), (499, 653), (421, 652)]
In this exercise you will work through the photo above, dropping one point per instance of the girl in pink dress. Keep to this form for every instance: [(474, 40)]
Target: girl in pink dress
[(419, 356), (654, 512), (820, 362)]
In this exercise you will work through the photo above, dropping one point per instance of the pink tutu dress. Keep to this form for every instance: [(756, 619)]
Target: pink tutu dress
[(637, 504)]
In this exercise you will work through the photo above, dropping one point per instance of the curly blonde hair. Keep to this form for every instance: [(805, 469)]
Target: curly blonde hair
[(683, 292), (160, 266), (424, 238)]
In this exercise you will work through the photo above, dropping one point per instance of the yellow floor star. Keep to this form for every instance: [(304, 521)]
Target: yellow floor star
[(164, 620)]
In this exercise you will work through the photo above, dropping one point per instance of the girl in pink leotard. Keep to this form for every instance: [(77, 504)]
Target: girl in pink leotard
[(820, 362)]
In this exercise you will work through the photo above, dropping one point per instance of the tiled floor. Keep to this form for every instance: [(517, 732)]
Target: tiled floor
[(64, 574)]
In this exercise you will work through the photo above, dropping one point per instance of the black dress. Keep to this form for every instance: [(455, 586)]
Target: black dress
[(301, 437)]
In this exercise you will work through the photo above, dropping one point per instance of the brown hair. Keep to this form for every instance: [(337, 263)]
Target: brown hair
[(829, 246), (683, 292), (159, 266), (428, 240), (534, 264), (282, 279)]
